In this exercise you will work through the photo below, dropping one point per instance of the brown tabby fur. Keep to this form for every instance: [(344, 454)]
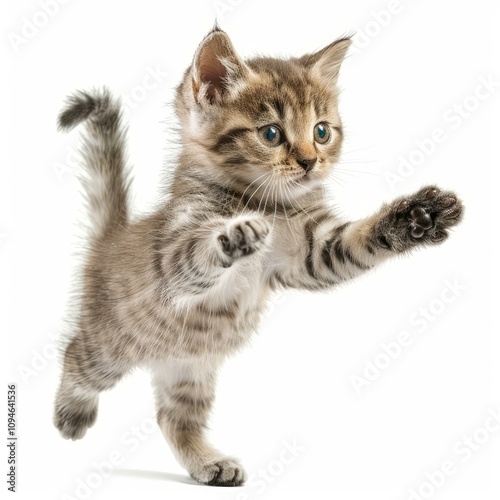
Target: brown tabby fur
[(181, 289)]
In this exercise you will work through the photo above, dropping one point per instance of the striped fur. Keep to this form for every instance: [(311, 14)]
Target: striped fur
[(179, 290)]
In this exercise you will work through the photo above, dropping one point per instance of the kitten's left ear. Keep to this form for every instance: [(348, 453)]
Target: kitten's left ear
[(328, 60), (216, 67)]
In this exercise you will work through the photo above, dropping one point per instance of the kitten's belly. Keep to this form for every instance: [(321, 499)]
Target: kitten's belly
[(219, 322), (224, 321)]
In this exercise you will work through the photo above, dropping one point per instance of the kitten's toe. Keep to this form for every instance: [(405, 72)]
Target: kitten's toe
[(223, 472), (446, 211), (245, 236)]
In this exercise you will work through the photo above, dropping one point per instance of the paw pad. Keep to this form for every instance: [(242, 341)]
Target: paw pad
[(420, 221), (422, 218)]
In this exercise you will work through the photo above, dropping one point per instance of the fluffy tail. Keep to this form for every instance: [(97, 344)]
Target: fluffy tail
[(105, 183)]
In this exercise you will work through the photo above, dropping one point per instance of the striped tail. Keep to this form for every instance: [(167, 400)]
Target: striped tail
[(105, 181)]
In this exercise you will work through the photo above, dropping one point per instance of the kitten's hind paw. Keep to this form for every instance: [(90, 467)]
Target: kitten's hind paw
[(74, 421), (223, 472), (244, 236)]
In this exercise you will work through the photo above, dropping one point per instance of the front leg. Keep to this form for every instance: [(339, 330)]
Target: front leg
[(332, 252), (198, 257), (409, 222)]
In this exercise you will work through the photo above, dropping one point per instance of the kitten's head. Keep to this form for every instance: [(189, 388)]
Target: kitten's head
[(266, 126)]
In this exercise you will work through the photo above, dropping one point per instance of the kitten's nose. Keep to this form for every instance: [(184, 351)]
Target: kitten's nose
[(307, 163)]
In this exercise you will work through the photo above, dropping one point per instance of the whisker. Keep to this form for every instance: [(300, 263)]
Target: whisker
[(275, 205), (287, 219), (255, 191), (301, 207), (267, 189), (248, 187)]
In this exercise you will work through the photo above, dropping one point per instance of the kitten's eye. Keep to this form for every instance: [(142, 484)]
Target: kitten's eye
[(271, 135), (322, 133)]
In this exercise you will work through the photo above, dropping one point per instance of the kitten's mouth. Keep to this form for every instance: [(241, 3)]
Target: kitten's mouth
[(303, 177)]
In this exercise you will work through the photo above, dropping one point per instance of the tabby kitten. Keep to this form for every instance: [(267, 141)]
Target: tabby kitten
[(245, 214)]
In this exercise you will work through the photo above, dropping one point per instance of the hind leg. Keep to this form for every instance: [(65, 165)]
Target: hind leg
[(85, 375), (184, 393), (75, 408)]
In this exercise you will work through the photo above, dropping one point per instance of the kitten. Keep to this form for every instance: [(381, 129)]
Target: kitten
[(183, 288)]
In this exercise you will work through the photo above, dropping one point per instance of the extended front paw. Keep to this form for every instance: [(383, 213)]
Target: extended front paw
[(244, 236), (423, 217)]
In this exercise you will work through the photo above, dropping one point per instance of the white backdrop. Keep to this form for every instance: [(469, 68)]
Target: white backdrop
[(386, 388)]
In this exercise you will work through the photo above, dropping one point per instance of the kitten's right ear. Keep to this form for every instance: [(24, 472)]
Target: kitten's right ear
[(216, 67)]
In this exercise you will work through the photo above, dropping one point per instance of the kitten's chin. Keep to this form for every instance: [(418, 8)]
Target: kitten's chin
[(300, 187)]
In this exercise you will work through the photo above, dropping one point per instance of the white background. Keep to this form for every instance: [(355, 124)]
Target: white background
[(295, 383)]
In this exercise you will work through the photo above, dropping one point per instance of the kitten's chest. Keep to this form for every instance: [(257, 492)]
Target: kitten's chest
[(244, 292), (233, 312)]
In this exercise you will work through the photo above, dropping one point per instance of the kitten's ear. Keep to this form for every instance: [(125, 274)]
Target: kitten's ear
[(216, 67), (328, 60)]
